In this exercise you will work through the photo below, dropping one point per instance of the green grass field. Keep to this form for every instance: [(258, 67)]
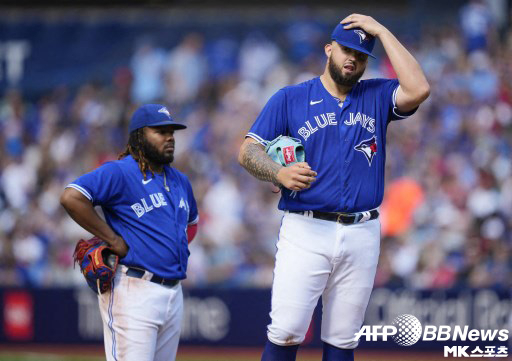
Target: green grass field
[(81, 353), (30, 356), (209, 355)]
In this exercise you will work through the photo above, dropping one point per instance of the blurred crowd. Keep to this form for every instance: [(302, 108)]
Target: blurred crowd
[(447, 214)]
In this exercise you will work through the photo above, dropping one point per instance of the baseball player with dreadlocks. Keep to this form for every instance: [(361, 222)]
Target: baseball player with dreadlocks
[(150, 216), (329, 239)]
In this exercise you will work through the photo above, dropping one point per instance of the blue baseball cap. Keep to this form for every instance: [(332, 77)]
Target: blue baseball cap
[(152, 115), (356, 39)]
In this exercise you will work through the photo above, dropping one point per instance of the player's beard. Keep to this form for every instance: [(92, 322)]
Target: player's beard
[(153, 155), (337, 75)]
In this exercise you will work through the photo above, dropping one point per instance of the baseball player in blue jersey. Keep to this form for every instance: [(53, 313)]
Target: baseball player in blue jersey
[(150, 215), (329, 239)]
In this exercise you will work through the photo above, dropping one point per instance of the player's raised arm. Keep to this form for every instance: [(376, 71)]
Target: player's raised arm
[(414, 87), (253, 158)]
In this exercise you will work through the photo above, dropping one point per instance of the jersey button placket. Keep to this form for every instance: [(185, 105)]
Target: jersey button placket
[(345, 148), (343, 165), (346, 144)]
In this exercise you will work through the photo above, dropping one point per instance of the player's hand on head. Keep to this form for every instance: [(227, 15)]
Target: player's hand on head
[(367, 23), (296, 177)]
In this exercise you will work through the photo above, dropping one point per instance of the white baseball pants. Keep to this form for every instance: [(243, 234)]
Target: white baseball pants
[(322, 258), (141, 319)]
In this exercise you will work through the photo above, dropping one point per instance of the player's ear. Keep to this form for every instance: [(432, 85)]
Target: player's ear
[(328, 49)]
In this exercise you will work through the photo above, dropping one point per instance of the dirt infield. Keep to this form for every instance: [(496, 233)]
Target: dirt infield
[(189, 353)]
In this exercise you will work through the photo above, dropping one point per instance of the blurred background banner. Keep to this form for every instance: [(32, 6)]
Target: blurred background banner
[(70, 79), (217, 317)]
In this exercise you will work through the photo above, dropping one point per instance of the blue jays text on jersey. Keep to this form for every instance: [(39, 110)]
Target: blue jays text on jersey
[(151, 220), (345, 145)]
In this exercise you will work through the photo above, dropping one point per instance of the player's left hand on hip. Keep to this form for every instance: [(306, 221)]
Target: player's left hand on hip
[(367, 23), (119, 246)]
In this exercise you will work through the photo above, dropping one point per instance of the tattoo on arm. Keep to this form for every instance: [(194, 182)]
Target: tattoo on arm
[(259, 164)]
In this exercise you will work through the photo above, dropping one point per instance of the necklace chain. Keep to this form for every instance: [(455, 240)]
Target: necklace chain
[(165, 182)]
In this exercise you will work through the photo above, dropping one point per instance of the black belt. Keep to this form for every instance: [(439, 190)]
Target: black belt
[(343, 218), (138, 273)]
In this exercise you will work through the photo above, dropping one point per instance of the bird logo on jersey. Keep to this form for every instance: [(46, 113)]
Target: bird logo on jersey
[(362, 35), (369, 148)]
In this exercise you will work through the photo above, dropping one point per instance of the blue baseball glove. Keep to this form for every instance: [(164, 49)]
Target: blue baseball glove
[(286, 150), (97, 262)]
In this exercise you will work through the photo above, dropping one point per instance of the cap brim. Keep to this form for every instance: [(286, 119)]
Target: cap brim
[(355, 47), (172, 124)]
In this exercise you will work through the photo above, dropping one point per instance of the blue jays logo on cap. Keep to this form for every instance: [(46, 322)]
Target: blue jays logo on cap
[(362, 35), (165, 111), (153, 115), (369, 148), (356, 39)]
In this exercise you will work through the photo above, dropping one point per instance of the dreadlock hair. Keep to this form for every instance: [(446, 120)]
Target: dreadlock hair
[(136, 150)]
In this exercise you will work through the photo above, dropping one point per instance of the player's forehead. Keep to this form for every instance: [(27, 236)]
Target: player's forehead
[(160, 129), (349, 50)]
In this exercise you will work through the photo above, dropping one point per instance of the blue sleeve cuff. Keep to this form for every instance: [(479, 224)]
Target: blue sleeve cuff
[(81, 190)]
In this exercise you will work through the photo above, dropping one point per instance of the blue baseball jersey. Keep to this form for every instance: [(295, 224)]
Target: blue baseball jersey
[(344, 142), (152, 220)]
